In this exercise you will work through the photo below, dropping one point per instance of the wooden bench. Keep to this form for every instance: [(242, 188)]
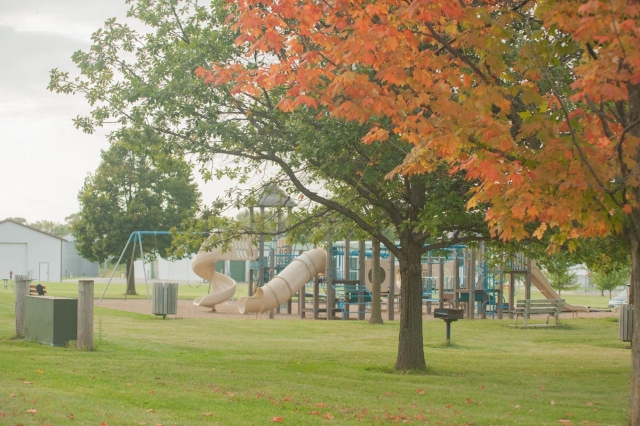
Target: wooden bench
[(526, 307), (34, 292)]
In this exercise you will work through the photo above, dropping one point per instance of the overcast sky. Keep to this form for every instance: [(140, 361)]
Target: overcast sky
[(44, 159)]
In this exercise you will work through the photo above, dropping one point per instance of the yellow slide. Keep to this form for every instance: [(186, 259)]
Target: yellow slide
[(540, 281), (222, 287), (282, 287)]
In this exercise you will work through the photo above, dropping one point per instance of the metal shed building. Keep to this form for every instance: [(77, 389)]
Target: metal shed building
[(29, 251)]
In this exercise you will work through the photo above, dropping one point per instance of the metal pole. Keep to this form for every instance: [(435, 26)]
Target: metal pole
[(361, 278), (143, 270), (116, 267), (133, 252)]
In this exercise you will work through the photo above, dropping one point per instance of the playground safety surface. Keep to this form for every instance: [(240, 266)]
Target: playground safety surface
[(229, 310)]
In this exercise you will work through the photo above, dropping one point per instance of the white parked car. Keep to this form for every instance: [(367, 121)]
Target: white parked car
[(620, 299)]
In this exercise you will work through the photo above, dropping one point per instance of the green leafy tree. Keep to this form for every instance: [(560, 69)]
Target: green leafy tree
[(137, 186), (148, 82), (561, 277), (609, 281), (55, 228)]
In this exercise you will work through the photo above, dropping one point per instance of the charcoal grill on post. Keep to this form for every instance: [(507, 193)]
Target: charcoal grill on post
[(448, 316)]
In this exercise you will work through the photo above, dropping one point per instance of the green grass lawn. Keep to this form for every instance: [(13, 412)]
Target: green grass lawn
[(250, 372)]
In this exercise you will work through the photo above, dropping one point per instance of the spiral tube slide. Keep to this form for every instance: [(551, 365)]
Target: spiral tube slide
[(281, 288), (222, 287)]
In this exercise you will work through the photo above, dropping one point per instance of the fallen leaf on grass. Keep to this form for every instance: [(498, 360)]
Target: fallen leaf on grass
[(151, 410), (129, 384), (481, 387), (517, 406), (542, 388), (420, 417), (469, 401), (277, 419), (207, 414), (32, 411), (151, 392), (70, 416), (12, 395), (314, 413), (589, 404), (328, 416), (449, 405), (565, 422), (103, 424), (388, 393), (553, 403), (28, 383), (320, 404), (421, 391), (40, 371)]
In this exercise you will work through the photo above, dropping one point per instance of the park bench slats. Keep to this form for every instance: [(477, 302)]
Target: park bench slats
[(34, 292), (550, 307)]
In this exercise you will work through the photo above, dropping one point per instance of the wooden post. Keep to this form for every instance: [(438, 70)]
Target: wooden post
[(472, 284), (347, 261), (251, 223), (429, 281), (441, 285), (512, 294), (361, 278), (261, 265), (456, 279), (329, 293), (482, 277), (21, 290), (392, 285), (527, 281), (316, 297), (85, 314), (272, 273), (500, 299)]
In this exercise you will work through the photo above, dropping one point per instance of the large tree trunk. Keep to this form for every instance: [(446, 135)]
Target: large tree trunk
[(634, 298), (131, 276), (376, 303), (632, 235), (410, 341)]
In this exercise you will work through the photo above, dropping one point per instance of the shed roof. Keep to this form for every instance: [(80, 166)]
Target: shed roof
[(31, 228)]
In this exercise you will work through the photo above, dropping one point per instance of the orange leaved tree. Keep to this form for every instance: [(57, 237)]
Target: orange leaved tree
[(538, 101)]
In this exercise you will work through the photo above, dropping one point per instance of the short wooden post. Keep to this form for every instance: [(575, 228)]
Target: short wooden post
[(21, 290), (301, 302), (361, 278), (85, 314)]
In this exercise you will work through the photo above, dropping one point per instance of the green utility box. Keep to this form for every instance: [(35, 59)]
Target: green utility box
[(51, 320)]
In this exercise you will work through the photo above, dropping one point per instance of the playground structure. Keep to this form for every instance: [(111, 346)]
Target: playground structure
[(338, 280)]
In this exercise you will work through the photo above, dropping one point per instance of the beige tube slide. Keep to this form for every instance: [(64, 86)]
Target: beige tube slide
[(281, 288), (540, 281), (222, 287)]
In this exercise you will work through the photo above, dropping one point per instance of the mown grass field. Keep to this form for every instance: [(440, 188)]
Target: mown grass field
[(252, 372)]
